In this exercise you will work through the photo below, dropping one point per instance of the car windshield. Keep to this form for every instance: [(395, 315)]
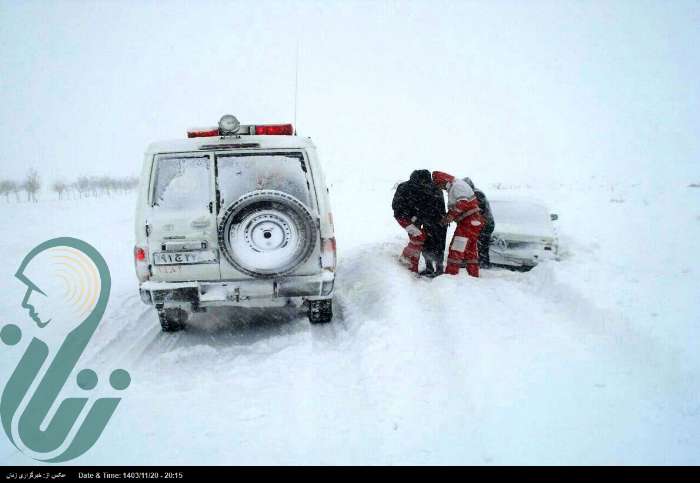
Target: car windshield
[(242, 173), (181, 183)]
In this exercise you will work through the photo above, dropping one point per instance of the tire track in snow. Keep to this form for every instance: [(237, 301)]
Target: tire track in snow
[(120, 331), (405, 360)]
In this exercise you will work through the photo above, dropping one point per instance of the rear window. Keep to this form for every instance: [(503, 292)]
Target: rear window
[(181, 183), (242, 173)]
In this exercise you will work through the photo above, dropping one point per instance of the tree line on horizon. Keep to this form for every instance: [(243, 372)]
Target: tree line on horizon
[(29, 188)]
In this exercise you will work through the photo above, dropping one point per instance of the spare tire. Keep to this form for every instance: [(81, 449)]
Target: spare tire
[(267, 233)]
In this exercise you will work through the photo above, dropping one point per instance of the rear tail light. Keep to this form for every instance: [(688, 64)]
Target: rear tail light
[(143, 271), (328, 253), (274, 129)]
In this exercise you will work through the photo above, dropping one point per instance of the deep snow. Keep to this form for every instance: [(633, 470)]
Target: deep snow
[(592, 359)]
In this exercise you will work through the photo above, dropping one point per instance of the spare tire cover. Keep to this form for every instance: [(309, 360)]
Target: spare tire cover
[(267, 233)]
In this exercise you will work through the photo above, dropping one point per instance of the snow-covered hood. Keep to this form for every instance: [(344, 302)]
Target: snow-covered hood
[(522, 220)]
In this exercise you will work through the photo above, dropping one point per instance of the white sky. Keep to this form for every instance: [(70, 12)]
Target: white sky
[(504, 90)]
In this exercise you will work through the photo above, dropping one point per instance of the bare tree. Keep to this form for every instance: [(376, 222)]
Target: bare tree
[(6, 188), (105, 184), (59, 187), (32, 184), (82, 185), (15, 188), (94, 185), (132, 183), (70, 188)]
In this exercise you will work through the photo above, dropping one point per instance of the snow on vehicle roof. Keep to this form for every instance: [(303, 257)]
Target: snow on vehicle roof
[(525, 218), (229, 142)]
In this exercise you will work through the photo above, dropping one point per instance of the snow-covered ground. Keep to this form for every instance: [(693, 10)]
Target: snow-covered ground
[(590, 360)]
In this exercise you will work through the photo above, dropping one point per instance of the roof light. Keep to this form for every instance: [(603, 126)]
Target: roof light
[(274, 129), (228, 124), (205, 132)]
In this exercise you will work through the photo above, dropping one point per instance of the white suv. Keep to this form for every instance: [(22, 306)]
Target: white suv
[(237, 215)]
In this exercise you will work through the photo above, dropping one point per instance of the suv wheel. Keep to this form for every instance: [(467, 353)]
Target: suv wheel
[(172, 320), (267, 233), (320, 311)]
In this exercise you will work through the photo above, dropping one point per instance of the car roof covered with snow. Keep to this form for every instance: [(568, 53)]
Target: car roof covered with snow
[(215, 143), (522, 219)]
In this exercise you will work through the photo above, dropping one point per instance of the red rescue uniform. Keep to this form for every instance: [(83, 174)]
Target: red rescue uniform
[(463, 209)]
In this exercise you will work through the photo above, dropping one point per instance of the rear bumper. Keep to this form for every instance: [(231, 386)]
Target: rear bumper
[(244, 293)]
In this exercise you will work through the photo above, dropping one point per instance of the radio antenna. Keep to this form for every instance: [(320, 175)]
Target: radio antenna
[(296, 86)]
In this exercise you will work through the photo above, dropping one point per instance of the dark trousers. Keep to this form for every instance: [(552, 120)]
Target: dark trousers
[(434, 247), (484, 243)]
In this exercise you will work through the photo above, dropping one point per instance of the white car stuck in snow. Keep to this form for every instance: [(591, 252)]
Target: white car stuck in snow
[(524, 234), (235, 215)]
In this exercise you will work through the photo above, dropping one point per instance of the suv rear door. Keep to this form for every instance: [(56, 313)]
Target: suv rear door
[(182, 239), (242, 172)]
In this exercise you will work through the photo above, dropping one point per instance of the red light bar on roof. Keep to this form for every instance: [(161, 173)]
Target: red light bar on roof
[(274, 129), (260, 130), (202, 132)]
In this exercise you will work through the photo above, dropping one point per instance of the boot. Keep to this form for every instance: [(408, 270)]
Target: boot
[(439, 268), (430, 270)]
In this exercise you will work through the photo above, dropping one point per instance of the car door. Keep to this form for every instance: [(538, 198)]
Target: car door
[(244, 173), (181, 224)]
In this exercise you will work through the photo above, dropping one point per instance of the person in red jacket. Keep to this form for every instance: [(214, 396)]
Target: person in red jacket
[(463, 208)]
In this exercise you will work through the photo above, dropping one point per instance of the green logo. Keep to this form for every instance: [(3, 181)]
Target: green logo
[(68, 285)]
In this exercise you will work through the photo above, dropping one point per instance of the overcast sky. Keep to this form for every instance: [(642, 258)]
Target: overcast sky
[(506, 90)]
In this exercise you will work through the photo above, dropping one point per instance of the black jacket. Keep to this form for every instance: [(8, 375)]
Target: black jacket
[(485, 207), (419, 197)]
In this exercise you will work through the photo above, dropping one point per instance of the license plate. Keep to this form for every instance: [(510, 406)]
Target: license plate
[(184, 258)]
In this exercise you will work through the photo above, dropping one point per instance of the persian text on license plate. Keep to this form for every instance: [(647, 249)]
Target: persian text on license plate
[(184, 258)]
